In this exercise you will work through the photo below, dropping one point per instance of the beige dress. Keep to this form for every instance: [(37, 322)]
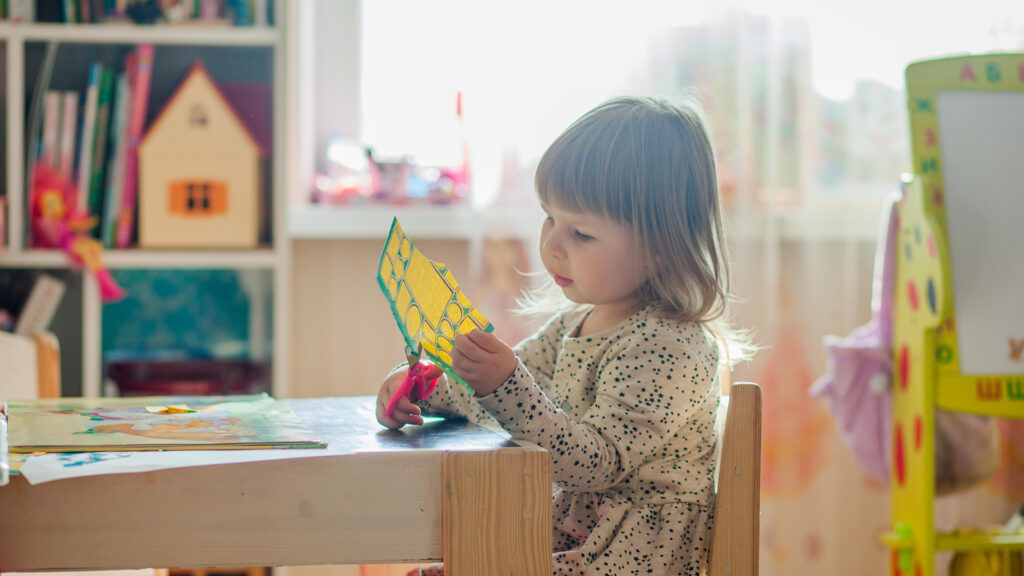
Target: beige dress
[(628, 416)]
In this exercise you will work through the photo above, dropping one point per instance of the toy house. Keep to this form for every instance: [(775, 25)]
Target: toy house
[(199, 172)]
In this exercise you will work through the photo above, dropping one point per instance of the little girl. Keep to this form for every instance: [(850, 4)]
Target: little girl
[(621, 385)]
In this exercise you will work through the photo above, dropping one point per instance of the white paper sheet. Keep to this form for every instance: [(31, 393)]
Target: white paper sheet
[(982, 135)]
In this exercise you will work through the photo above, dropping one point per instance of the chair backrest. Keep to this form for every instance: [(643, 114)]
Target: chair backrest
[(734, 543)]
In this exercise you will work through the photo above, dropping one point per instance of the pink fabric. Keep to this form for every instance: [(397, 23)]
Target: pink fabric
[(858, 377), (857, 386)]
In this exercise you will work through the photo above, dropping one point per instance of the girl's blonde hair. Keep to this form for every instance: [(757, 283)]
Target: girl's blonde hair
[(648, 163)]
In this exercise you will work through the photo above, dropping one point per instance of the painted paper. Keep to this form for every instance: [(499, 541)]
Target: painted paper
[(124, 424)]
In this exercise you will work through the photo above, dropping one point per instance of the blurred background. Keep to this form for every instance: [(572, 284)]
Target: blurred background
[(809, 118)]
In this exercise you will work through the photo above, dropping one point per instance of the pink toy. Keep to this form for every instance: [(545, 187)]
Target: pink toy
[(54, 226)]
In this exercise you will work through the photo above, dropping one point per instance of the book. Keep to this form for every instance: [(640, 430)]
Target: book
[(115, 167), (35, 125), (68, 131), (41, 305), (136, 125), (21, 11), (50, 154), (253, 421), (99, 147), (85, 142)]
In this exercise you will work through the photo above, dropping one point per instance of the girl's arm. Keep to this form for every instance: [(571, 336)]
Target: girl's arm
[(538, 352), (639, 407), (452, 399)]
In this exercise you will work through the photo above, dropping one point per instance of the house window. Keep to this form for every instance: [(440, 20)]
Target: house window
[(198, 197)]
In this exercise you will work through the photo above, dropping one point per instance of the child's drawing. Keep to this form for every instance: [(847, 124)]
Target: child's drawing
[(114, 424)]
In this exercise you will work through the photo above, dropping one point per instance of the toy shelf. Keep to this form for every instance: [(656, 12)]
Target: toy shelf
[(187, 34), (244, 57), (264, 259)]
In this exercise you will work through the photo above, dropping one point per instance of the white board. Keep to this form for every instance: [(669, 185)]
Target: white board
[(982, 146)]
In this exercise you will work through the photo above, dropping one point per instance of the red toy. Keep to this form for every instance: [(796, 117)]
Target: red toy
[(54, 226), (419, 381)]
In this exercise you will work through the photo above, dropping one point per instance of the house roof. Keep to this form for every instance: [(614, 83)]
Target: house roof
[(198, 68)]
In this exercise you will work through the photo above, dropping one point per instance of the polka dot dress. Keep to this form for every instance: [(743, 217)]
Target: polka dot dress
[(628, 416)]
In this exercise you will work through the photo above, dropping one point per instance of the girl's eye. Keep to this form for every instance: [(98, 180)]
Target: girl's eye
[(582, 236)]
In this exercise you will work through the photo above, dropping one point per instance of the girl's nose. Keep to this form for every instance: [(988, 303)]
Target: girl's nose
[(551, 243)]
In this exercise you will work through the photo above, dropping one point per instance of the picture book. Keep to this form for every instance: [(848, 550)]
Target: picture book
[(138, 107), (155, 423)]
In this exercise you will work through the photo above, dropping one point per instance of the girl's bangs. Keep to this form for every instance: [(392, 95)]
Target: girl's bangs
[(591, 168)]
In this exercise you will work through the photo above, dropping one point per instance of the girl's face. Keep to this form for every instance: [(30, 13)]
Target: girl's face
[(594, 259)]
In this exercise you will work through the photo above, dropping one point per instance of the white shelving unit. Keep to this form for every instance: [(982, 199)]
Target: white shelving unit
[(272, 259), (354, 222), (460, 222)]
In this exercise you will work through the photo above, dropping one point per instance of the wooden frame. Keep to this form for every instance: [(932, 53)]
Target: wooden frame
[(448, 491), (926, 356), (735, 541)]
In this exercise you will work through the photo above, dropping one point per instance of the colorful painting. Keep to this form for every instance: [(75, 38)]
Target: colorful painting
[(155, 423), (425, 299)]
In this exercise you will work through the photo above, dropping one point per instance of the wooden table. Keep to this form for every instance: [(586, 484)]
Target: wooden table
[(448, 491)]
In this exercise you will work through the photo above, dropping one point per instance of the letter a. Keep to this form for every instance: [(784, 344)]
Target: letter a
[(967, 73)]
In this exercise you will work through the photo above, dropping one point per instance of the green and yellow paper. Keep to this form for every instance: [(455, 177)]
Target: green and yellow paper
[(425, 299)]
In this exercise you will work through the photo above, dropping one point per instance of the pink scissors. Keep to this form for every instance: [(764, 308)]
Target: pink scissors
[(419, 381)]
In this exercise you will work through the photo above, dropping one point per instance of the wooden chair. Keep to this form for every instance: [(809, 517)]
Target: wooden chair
[(734, 542)]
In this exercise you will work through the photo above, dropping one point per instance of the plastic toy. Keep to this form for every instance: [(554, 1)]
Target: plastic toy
[(55, 226)]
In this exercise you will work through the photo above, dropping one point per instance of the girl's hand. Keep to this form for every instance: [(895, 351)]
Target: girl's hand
[(482, 360), (405, 411)]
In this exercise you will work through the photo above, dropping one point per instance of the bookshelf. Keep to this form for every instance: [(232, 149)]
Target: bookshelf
[(252, 55)]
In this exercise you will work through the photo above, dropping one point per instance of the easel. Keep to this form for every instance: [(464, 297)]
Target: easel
[(927, 355)]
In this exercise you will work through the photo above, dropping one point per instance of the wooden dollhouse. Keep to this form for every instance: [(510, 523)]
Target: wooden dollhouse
[(199, 172), (958, 316)]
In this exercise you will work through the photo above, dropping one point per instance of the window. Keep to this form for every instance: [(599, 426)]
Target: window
[(805, 101), (198, 198)]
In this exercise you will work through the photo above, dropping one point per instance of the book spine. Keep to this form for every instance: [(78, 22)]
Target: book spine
[(70, 9), (50, 154), (136, 124), (92, 95), (115, 170), (99, 153), (21, 10), (68, 131)]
